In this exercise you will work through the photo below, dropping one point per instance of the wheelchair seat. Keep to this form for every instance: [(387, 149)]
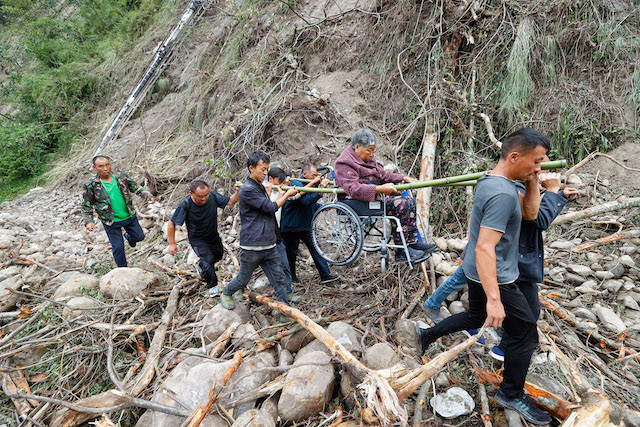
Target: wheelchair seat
[(364, 208)]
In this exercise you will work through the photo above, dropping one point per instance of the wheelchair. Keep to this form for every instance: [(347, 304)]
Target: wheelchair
[(342, 229)]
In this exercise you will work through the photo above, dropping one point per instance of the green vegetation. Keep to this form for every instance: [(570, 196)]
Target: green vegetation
[(56, 57)]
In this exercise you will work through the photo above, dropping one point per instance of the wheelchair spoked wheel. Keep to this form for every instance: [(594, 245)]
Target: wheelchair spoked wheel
[(337, 233)]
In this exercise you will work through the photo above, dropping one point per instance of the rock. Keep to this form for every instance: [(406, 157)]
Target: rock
[(631, 303), (126, 282), (75, 286), (616, 268), (456, 307), (612, 286), (405, 333), (441, 243), (609, 319), (60, 279), (574, 180), (243, 334), (7, 298), (254, 418), (437, 258), (453, 403), (297, 340), (308, 388), (270, 407), (217, 321), (628, 249), (585, 314), (588, 287), (596, 267), (442, 380), (254, 375), (168, 260), (8, 272), (594, 256), (76, 306), (513, 418), (346, 335), (603, 275), (562, 245), (627, 260), (284, 358), (446, 268), (582, 270), (457, 245), (574, 279), (381, 356)]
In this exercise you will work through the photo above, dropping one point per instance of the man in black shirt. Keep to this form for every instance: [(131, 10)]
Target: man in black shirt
[(200, 211)]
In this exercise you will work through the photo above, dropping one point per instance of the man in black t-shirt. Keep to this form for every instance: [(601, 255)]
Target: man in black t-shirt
[(200, 212)]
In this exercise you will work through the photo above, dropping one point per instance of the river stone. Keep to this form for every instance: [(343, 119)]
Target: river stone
[(628, 249), (308, 388), (346, 335), (604, 275), (253, 374), (589, 287), (405, 333), (297, 340), (76, 304), (7, 298), (580, 269), (609, 319), (453, 403), (562, 245), (381, 356), (596, 267), (616, 268), (270, 407), (217, 321), (456, 307), (627, 260), (436, 258), (612, 285), (8, 272), (457, 245), (441, 243), (574, 180), (62, 278), (244, 334), (446, 268), (442, 380), (254, 418), (631, 303), (574, 279), (126, 282), (284, 358), (75, 285), (312, 347), (585, 313)]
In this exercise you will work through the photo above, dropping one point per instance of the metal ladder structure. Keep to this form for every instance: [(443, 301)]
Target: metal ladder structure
[(191, 16)]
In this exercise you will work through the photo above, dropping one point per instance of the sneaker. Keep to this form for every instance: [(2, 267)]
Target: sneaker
[(496, 353), (424, 341), (227, 301), (524, 407), (424, 247), (294, 298), (238, 296), (132, 244), (432, 313), (416, 255), (198, 265), (213, 291), (330, 278), (471, 332)]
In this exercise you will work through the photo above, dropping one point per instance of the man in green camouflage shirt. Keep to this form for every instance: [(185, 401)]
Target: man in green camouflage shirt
[(109, 194)]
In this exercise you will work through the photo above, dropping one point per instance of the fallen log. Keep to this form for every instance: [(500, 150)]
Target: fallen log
[(625, 203)]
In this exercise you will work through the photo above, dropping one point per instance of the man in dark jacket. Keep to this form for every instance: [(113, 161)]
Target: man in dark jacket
[(200, 212), (109, 194), (297, 214), (259, 233)]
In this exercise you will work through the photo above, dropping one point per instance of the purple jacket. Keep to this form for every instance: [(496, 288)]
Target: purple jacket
[(351, 173)]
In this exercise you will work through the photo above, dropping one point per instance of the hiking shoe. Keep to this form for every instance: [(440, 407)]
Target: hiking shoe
[(496, 353), (198, 265), (416, 255), (432, 313), (132, 244), (330, 278), (213, 291), (524, 407), (237, 295), (470, 332), (424, 247), (424, 339), (294, 298), (227, 301)]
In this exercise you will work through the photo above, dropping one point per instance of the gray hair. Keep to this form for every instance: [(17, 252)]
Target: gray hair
[(363, 138)]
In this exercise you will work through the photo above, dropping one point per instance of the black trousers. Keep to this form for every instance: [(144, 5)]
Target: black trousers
[(271, 263), (114, 233), (210, 253), (521, 334), (291, 240)]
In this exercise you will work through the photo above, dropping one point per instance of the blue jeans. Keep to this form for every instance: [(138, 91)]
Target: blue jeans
[(114, 233), (452, 284), (271, 263), (285, 267)]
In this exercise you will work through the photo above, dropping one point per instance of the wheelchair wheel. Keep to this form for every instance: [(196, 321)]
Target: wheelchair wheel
[(337, 233)]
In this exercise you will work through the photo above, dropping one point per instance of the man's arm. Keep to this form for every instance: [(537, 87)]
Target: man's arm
[(530, 202), (280, 201), (87, 208), (235, 196), (137, 189), (171, 237), (486, 267)]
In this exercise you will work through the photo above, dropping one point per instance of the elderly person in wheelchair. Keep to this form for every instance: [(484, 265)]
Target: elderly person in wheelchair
[(362, 178)]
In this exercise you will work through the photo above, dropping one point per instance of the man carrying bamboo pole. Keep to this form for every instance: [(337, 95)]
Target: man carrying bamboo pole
[(490, 264)]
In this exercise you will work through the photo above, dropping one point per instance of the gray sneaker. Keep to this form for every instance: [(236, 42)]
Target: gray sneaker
[(227, 301), (433, 313), (213, 291), (237, 295), (294, 298)]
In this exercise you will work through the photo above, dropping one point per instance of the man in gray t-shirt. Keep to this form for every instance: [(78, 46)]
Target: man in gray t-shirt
[(491, 266)]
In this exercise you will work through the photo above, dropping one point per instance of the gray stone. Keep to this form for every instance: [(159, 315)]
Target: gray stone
[(308, 388), (76, 306), (126, 282), (7, 298), (254, 418), (441, 243), (346, 335), (628, 249), (442, 381), (594, 256), (446, 268), (603, 275), (616, 268), (245, 333), (456, 307), (588, 287), (8, 272), (562, 245), (313, 347), (596, 267), (609, 319), (60, 279), (579, 269), (612, 285), (437, 258), (253, 375), (381, 356), (405, 333), (631, 303), (457, 245), (453, 403), (585, 314), (270, 407), (574, 180), (75, 286), (627, 260), (217, 321), (297, 340), (574, 279)]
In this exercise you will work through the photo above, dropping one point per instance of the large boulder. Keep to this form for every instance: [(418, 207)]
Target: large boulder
[(297, 340), (609, 319), (313, 346), (126, 282), (346, 335), (381, 356), (253, 374), (218, 320), (75, 285), (405, 333), (308, 389), (7, 298)]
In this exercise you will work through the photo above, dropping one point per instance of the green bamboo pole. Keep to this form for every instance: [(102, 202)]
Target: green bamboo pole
[(466, 179)]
